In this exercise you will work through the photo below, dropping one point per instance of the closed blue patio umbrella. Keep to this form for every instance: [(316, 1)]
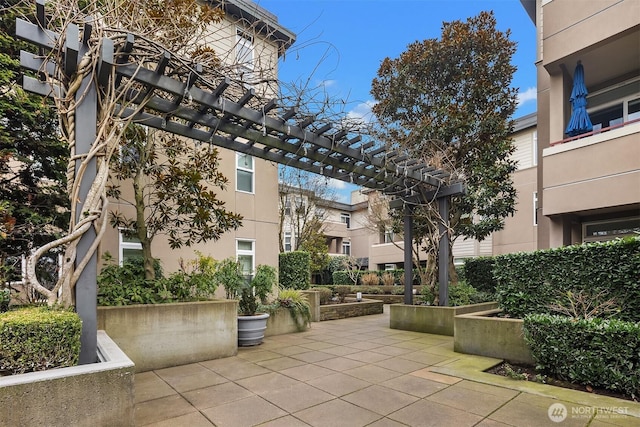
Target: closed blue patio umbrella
[(580, 121)]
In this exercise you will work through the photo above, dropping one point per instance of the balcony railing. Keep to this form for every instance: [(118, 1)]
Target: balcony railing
[(595, 132)]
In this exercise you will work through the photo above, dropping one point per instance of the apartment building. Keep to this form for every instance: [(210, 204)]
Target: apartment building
[(588, 186), (249, 42)]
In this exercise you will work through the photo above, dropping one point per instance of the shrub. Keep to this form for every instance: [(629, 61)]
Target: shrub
[(342, 292), (39, 338), (341, 278), (126, 284), (264, 281), (325, 294), (533, 282), (460, 294), (371, 290), (387, 279), (370, 279), (397, 290), (295, 270), (595, 352), (478, 272)]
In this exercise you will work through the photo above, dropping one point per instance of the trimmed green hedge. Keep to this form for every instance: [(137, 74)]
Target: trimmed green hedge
[(478, 272), (531, 282), (596, 352), (295, 270), (38, 338)]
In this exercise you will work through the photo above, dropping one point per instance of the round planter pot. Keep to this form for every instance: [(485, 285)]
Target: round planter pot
[(251, 329)]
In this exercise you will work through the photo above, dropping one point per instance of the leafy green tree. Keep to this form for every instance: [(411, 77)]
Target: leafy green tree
[(33, 157), (449, 102), (315, 243), (170, 184)]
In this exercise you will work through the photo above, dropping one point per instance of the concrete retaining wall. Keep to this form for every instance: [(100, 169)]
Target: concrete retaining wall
[(280, 323), (98, 394), (498, 337), (314, 301), (158, 336), (431, 319), (350, 309)]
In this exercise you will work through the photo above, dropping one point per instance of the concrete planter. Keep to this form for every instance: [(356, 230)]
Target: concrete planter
[(498, 337), (251, 329), (431, 319), (385, 298), (98, 394), (350, 309), (281, 322), (158, 336)]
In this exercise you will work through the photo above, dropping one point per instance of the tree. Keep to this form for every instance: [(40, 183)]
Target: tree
[(449, 102), (171, 186), (180, 27), (33, 157)]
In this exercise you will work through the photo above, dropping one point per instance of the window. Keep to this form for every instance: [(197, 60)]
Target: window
[(129, 247), (245, 255), (244, 49), (388, 236), (615, 105), (345, 218), (346, 248), (388, 267), (535, 208), (244, 173), (287, 206), (287, 241), (600, 231)]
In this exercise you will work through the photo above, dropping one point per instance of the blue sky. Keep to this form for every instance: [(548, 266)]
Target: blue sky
[(340, 43)]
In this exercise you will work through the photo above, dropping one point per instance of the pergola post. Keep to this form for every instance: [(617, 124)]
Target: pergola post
[(408, 259), (443, 251), (87, 287)]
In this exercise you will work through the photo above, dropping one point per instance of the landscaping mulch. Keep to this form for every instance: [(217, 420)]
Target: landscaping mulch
[(522, 372)]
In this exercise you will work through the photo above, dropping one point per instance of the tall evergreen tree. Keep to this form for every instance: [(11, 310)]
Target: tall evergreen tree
[(449, 101), (33, 158)]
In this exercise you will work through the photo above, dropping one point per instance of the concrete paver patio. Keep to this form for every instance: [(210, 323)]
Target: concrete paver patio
[(359, 372)]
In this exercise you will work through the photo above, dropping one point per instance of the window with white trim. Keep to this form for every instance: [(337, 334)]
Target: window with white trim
[(345, 218), (346, 247), (129, 247), (534, 149), (287, 241), (244, 173), (244, 49), (245, 254)]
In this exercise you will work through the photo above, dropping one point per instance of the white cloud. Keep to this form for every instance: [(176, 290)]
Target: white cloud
[(362, 112), (531, 94), (327, 83)]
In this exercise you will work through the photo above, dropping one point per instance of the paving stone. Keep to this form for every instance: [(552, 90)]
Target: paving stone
[(216, 395), (297, 397), (427, 413), (337, 413), (280, 363), (415, 386), (153, 411), (267, 383), (150, 386), (244, 412), (380, 400), (339, 384)]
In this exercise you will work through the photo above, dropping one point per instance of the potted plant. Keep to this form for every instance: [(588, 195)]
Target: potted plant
[(250, 293)]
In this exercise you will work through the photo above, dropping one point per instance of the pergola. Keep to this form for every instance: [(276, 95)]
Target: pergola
[(183, 103)]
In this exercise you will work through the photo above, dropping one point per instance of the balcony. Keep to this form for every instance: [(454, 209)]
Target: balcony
[(593, 171)]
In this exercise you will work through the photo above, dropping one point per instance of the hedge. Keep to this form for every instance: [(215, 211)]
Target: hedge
[(596, 352), (478, 272), (530, 282), (295, 270), (38, 338)]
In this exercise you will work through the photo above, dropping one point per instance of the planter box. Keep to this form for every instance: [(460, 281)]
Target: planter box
[(385, 298), (498, 337), (314, 301), (97, 394), (431, 319), (350, 309), (158, 336), (280, 323)]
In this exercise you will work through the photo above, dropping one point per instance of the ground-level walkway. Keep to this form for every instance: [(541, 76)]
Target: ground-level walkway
[(359, 372)]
